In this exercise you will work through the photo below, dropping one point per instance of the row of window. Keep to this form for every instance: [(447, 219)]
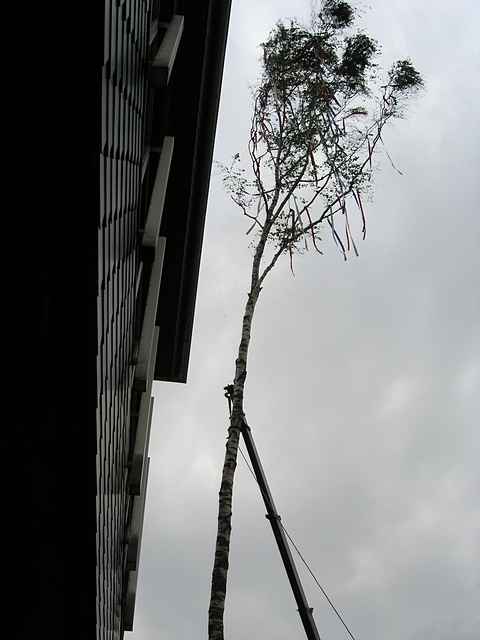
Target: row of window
[(126, 181), (124, 99)]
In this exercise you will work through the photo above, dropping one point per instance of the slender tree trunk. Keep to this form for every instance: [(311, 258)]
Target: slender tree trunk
[(222, 549)]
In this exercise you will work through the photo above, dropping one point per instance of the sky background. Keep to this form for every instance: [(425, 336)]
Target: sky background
[(363, 385)]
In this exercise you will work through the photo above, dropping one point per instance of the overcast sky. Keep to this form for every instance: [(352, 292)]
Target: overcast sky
[(363, 385)]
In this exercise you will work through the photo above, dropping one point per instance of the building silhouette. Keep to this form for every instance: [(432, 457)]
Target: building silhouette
[(122, 119)]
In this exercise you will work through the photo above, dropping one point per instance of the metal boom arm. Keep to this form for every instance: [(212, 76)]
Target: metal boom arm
[(306, 613)]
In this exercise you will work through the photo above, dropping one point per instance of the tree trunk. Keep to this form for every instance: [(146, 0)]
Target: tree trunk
[(222, 548)]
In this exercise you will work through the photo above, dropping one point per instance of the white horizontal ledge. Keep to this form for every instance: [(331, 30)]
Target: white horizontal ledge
[(136, 523), (163, 62), (140, 451), (133, 551), (129, 610), (157, 202), (146, 351)]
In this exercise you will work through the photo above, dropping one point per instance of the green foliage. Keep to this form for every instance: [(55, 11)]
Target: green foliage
[(405, 77), (318, 116), (357, 59), (340, 13)]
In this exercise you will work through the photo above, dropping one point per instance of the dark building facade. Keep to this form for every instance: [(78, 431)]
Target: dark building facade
[(114, 258)]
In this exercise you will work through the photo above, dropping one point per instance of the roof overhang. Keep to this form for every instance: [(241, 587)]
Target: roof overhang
[(189, 113)]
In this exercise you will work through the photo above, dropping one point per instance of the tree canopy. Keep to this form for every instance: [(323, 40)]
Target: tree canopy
[(318, 114)]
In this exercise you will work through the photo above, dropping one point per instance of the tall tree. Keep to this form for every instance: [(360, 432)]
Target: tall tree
[(318, 116)]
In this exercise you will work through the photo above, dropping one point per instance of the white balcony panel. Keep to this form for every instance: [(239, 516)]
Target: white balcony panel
[(129, 610), (136, 523), (155, 210), (146, 352), (142, 438), (147, 384), (163, 62)]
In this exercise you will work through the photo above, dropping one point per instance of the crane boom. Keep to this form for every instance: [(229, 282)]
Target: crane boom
[(306, 612)]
